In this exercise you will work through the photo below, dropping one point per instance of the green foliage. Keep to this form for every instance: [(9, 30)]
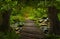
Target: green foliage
[(52, 37), (59, 16), (9, 35), (35, 8)]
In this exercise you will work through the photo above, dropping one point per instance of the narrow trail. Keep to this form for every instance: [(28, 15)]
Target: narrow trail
[(29, 31)]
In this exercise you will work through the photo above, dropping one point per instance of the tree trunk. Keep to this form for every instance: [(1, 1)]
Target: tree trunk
[(5, 24), (54, 21)]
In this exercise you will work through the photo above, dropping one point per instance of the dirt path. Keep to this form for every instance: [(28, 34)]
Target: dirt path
[(29, 31)]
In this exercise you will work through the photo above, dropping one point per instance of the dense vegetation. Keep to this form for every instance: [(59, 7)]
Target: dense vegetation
[(12, 11)]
